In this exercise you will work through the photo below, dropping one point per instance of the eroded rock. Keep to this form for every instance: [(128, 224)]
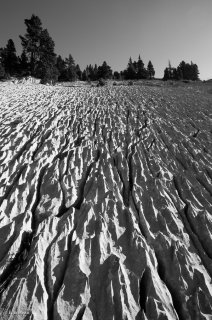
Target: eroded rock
[(105, 203)]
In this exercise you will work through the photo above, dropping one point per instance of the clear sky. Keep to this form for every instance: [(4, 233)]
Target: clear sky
[(113, 30)]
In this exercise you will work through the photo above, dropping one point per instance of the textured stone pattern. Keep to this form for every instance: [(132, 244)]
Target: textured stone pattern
[(105, 203)]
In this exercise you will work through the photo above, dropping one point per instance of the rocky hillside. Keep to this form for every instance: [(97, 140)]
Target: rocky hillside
[(105, 203)]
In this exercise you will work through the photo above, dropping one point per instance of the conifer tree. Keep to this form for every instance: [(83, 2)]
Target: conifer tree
[(150, 70), (122, 75), (116, 75), (85, 75), (175, 74), (46, 65), (184, 71), (39, 47), (61, 67), (23, 64), (130, 72), (10, 59), (194, 71), (135, 65), (31, 41), (167, 75), (2, 71), (88, 75), (142, 72), (182, 66), (104, 71), (188, 71), (78, 72), (90, 71), (179, 73), (95, 72), (71, 68)]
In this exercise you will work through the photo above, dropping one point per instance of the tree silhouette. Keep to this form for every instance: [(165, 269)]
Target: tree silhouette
[(39, 47), (104, 71), (31, 41), (2, 71), (95, 72), (116, 75), (184, 71), (70, 69), (9, 58), (130, 72), (78, 72), (166, 74), (39, 59), (61, 67), (23, 65), (47, 63), (142, 73), (150, 70), (194, 71), (85, 76)]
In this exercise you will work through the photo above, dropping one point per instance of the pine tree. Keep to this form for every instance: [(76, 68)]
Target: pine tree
[(130, 72), (104, 71), (61, 67), (71, 68), (78, 72), (46, 65), (135, 65), (39, 47), (88, 76), (90, 71), (176, 74), (184, 71), (194, 71), (31, 41), (179, 73), (2, 55), (142, 72), (116, 75), (95, 72), (188, 71), (9, 58), (2, 71), (167, 75), (151, 70), (23, 65), (182, 67), (85, 75)]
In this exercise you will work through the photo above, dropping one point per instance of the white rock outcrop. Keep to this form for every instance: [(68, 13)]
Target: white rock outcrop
[(105, 203)]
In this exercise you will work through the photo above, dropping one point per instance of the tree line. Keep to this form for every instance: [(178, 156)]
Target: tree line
[(185, 71), (38, 59)]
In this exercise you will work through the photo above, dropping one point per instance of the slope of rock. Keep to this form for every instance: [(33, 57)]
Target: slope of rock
[(105, 203)]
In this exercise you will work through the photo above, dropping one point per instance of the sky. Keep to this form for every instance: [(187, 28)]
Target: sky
[(93, 31)]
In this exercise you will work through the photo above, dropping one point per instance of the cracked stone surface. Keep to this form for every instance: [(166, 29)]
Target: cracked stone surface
[(105, 203)]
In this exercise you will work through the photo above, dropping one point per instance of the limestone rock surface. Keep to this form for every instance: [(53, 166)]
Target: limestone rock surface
[(105, 203)]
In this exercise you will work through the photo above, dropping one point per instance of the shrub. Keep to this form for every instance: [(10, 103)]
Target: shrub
[(101, 83), (130, 83)]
